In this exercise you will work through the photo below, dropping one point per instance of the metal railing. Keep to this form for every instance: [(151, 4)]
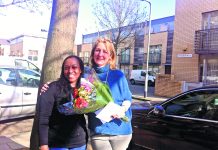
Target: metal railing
[(206, 41)]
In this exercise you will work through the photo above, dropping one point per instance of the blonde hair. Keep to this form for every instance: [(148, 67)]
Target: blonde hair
[(109, 47)]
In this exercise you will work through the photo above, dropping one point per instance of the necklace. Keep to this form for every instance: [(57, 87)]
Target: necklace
[(106, 77)]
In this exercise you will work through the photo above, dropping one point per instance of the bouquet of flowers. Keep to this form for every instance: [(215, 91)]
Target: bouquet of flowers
[(92, 95)]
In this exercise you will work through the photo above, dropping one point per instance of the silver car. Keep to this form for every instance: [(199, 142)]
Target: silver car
[(18, 92)]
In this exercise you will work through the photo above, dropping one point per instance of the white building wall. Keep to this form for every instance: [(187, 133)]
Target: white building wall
[(34, 43)]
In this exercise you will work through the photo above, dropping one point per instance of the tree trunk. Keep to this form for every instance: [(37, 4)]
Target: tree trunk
[(60, 43), (61, 37)]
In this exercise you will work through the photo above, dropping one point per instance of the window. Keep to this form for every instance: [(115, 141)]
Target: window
[(201, 104), (86, 57), (139, 56), (210, 20), (1, 51), (80, 54), (18, 53), (125, 55), (155, 54), (33, 55)]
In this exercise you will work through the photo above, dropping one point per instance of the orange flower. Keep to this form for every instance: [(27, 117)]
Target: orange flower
[(81, 103)]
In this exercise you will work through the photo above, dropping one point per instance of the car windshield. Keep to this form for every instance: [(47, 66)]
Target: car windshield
[(201, 104)]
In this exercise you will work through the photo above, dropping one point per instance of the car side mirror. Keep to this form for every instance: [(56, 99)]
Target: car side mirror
[(159, 111)]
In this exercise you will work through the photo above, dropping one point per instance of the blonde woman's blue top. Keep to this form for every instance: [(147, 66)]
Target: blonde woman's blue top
[(119, 88)]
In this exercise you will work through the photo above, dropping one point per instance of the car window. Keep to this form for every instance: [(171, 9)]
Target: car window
[(143, 73), (26, 64), (8, 76), (151, 73), (201, 104), (33, 67), (28, 78)]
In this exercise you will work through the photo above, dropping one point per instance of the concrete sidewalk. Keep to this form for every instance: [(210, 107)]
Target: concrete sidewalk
[(7, 144), (16, 135)]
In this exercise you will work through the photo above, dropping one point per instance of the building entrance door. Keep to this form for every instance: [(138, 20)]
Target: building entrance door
[(210, 72)]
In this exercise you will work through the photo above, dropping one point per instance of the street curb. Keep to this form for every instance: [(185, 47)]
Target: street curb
[(140, 98), (137, 97)]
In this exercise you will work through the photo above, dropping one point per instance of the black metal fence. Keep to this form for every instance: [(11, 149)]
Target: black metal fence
[(206, 41)]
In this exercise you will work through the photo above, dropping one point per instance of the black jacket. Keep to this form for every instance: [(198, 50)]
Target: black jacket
[(57, 129)]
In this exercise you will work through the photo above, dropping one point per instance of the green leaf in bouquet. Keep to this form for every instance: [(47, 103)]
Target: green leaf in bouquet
[(125, 119), (103, 94)]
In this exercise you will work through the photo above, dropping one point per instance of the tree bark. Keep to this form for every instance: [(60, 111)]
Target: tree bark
[(60, 43), (61, 37)]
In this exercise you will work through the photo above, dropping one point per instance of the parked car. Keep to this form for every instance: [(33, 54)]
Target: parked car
[(138, 76), (18, 62), (18, 92), (188, 121)]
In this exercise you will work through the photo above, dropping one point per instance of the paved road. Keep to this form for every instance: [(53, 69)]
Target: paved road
[(138, 89)]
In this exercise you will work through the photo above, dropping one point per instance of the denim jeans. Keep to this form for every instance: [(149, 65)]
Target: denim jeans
[(110, 142), (76, 148)]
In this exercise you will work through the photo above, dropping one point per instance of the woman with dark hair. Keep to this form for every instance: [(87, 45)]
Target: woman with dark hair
[(59, 128)]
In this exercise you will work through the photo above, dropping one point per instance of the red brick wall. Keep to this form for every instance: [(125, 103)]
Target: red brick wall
[(166, 86)]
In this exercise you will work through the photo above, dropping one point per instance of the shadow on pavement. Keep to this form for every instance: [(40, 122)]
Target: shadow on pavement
[(8, 144)]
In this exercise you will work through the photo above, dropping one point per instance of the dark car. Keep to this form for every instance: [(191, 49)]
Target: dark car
[(188, 121)]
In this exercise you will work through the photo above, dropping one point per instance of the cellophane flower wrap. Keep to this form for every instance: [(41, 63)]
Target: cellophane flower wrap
[(92, 94)]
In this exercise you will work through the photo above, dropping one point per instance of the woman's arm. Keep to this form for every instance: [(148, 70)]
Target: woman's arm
[(46, 102), (125, 95)]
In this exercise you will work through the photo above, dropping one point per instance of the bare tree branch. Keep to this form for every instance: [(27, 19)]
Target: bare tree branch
[(14, 2), (30, 5), (122, 18)]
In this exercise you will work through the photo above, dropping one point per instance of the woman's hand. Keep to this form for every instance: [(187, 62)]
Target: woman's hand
[(125, 106), (44, 147), (121, 114), (44, 88)]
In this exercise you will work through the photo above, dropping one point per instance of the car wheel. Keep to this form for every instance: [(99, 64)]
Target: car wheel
[(132, 81)]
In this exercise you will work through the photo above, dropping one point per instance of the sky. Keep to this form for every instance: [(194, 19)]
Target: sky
[(15, 21)]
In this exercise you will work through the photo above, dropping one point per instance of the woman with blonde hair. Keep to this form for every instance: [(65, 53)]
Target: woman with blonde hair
[(116, 134)]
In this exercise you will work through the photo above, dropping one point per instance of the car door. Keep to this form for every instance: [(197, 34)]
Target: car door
[(186, 123), (10, 94), (29, 80), (144, 134)]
